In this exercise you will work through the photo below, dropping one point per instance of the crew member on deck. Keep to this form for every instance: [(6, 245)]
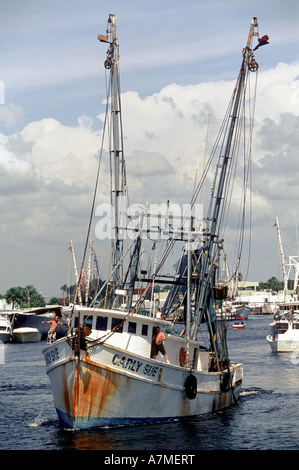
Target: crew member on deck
[(158, 345), (52, 331)]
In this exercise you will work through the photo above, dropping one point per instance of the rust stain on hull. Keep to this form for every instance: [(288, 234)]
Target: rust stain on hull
[(95, 391), (66, 397)]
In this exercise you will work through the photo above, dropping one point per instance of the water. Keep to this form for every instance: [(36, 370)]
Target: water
[(266, 417)]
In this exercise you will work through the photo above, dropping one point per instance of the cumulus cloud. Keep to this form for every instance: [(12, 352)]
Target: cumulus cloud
[(16, 174), (62, 152)]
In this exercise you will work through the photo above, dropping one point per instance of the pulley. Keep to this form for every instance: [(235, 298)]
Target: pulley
[(108, 64), (253, 65)]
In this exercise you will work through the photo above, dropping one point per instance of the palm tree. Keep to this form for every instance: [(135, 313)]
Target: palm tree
[(15, 295)]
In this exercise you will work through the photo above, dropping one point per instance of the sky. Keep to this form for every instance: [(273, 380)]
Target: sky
[(178, 66)]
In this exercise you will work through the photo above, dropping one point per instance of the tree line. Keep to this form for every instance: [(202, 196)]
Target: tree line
[(29, 297), (24, 297)]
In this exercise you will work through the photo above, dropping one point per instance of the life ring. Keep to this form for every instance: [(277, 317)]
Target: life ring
[(183, 357), (191, 386)]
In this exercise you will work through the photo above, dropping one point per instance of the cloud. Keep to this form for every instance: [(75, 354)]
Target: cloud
[(47, 171), (149, 164), (11, 115), (63, 152), (16, 174)]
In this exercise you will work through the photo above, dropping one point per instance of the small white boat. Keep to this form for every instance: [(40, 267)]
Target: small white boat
[(26, 335), (239, 323), (5, 327)]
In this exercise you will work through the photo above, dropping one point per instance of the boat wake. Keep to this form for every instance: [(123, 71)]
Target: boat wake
[(40, 420), (22, 388), (254, 391)]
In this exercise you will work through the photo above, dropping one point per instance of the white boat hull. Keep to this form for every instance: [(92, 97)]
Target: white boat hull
[(5, 327), (26, 335), (280, 345), (111, 387), (284, 336)]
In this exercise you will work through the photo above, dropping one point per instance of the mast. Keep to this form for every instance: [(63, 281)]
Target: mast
[(189, 294), (118, 188), (212, 242), (282, 259), (76, 272)]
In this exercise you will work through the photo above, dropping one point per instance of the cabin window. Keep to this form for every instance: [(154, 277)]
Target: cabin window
[(102, 323), (115, 322), (132, 327), (144, 330), (88, 321)]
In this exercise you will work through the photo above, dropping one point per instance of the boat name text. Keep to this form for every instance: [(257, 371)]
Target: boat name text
[(129, 364), (51, 356), (134, 365)]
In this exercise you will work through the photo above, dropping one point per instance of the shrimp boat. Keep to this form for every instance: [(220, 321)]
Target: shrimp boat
[(103, 372)]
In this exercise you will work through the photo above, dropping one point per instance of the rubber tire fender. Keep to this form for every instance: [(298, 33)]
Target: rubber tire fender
[(190, 386)]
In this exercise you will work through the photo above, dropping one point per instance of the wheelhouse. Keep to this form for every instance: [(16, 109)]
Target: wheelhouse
[(134, 333)]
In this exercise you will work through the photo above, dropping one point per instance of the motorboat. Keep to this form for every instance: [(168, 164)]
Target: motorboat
[(239, 323), (26, 335), (5, 327), (284, 333)]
